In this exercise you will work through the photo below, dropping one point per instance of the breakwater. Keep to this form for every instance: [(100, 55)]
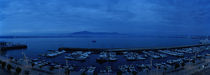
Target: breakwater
[(130, 49)]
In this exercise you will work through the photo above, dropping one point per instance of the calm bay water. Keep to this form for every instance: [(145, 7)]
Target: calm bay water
[(38, 46)]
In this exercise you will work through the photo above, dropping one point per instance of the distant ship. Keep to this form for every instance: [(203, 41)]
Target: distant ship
[(93, 41)]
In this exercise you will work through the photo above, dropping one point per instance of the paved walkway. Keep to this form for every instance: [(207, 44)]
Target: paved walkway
[(3, 72), (24, 68), (190, 69)]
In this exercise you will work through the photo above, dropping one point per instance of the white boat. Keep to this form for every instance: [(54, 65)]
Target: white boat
[(208, 54), (139, 57)]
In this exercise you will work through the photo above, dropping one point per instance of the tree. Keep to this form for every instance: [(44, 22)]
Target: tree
[(11, 58), (40, 66), (9, 67), (165, 68), (158, 67), (83, 73), (3, 64), (18, 70), (176, 66), (32, 64), (119, 73), (51, 68), (193, 61), (134, 73), (95, 73), (67, 71), (183, 64)]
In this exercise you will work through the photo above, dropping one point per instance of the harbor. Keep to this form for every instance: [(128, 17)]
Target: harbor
[(134, 61), (125, 62), (102, 61)]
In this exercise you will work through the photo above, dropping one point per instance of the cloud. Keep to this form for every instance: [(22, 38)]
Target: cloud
[(135, 16)]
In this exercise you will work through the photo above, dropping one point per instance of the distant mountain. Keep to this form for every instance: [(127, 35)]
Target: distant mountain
[(95, 33), (88, 34), (82, 34)]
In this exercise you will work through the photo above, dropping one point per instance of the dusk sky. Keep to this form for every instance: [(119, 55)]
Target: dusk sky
[(123, 16)]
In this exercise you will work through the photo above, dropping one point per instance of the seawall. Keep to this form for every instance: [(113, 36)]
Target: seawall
[(129, 49)]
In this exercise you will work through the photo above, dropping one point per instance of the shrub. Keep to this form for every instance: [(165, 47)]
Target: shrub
[(9, 67), (18, 70), (119, 73), (3, 64)]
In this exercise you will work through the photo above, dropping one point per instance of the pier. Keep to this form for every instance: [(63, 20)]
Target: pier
[(11, 46)]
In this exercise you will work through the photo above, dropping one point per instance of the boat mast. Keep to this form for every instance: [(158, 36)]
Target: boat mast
[(25, 60)]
